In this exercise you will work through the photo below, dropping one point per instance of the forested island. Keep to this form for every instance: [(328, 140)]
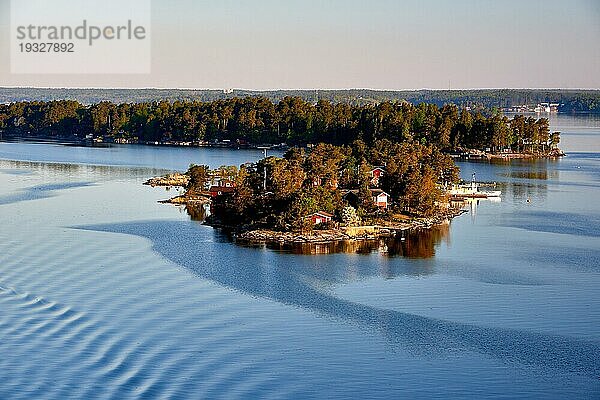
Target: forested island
[(256, 121), (325, 193)]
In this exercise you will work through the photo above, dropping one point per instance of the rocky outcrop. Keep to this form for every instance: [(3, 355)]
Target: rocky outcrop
[(187, 200), (176, 179), (387, 229), (263, 236)]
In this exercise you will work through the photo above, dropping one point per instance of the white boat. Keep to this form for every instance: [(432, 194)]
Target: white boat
[(472, 191)]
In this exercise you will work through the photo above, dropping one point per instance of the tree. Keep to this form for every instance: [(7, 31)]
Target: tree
[(286, 177), (415, 175), (198, 179), (554, 140), (366, 205), (518, 131), (349, 216), (422, 192), (462, 131), (543, 133), (300, 207), (499, 132), (323, 164)]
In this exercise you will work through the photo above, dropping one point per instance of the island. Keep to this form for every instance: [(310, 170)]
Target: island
[(467, 131), (324, 193)]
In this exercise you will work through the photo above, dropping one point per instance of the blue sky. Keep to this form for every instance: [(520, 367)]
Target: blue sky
[(381, 44)]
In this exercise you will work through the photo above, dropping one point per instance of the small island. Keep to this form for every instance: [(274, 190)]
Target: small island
[(324, 193)]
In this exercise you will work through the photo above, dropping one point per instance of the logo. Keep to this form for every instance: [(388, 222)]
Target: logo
[(80, 37)]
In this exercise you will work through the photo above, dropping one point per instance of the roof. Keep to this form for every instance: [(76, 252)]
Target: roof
[(378, 168), (223, 189), (378, 192), (322, 213), (374, 192)]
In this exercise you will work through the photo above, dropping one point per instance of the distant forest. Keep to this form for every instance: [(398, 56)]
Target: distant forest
[(293, 121), (570, 100)]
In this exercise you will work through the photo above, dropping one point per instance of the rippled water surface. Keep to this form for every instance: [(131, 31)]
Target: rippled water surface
[(104, 293)]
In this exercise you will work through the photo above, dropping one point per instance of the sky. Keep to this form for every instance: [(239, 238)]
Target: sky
[(338, 44)]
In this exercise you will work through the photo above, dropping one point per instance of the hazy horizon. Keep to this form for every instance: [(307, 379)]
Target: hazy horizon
[(343, 45), (290, 89)]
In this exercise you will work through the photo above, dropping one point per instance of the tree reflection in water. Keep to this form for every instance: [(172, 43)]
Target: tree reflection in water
[(197, 212), (418, 243), (415, 243)]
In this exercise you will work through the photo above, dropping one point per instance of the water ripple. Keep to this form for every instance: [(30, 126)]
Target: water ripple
[(40, 192), (177, 241)]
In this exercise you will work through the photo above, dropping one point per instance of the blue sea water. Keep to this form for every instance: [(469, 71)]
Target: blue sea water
[(105, 293)]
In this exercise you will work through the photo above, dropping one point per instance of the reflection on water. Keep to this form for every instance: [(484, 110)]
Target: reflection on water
[(538, 169), (414, 243), (518, 180), (166, 157), (526, 192), (65, 169), (532, 174), (198, 212)]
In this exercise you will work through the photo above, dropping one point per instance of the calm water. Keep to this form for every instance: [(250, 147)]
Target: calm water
[(104, 293)]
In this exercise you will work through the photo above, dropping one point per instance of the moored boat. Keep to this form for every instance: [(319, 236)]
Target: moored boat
[(472, 191)]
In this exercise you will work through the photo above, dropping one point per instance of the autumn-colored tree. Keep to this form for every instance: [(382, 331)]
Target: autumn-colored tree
[(198, 179), (349, 216), (286, 178), (323, 164), (554, 140)]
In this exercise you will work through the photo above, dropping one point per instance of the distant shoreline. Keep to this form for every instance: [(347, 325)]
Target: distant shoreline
[(78, 142), (573, 99), (466, 155)]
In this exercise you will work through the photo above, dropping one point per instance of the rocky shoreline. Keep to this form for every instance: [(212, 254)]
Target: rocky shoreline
[(343, 233), (355, 233), (172, 180), (477, 154), (178, 179), (184, 200)]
